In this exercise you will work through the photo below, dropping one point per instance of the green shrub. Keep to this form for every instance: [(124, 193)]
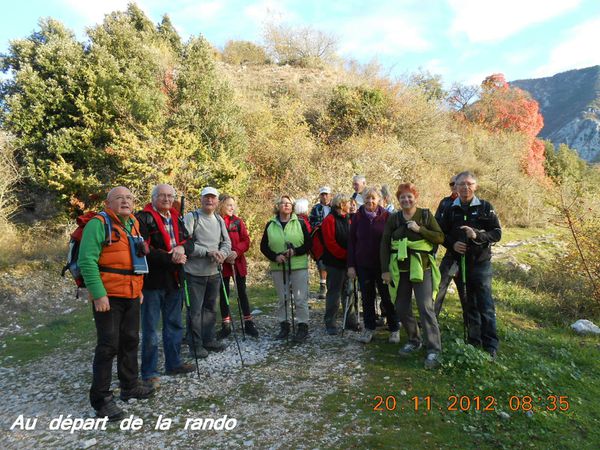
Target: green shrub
[(244, 52)]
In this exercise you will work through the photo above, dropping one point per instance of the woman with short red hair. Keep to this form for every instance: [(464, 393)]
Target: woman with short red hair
[(407, 245)]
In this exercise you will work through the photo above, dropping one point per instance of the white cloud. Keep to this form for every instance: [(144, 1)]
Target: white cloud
[(436, 67), (200, 11), (268, 10), (380, 35), (577, 51), (477, 78), (518, 58), (94, 11), (485, 21)]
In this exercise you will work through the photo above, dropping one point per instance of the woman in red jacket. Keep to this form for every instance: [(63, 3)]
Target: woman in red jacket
[(240, 243), (334, 230)]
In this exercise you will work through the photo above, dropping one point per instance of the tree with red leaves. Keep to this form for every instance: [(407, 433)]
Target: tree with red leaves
[(505, 108)]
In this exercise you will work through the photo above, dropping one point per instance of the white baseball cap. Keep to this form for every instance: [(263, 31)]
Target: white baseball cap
[(325, 190), (209, 191)]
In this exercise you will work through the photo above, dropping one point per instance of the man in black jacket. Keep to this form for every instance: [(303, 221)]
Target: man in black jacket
[(471, 226), (163, 230), (448, 266)]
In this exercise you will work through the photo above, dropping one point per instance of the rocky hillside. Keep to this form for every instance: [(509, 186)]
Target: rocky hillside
[(570, 104)]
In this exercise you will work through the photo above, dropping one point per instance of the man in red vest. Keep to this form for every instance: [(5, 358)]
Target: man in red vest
[(164, 231)]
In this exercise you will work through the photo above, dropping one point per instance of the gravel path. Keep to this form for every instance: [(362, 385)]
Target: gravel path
[(277, 399)]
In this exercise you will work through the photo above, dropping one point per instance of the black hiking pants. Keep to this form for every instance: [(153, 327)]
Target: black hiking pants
[(117, 333)]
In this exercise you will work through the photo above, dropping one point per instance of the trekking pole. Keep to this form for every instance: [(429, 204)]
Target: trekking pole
[(291, 290), (285, 301), (189, 317), (463, 277), (237, 342), (186, 292), (346, 305), (238, 302), (356, 306)]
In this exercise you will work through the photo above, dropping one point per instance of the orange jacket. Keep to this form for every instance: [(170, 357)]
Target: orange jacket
[(117, 256)]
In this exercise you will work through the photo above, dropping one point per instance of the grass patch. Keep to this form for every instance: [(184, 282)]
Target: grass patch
[(64, 334), (536, 360)]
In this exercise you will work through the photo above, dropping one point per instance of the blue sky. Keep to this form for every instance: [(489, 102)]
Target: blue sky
[(462, 40)]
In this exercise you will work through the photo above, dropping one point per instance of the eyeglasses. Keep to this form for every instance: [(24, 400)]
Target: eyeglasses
[(285, 204), (167, 196), (466, 184)]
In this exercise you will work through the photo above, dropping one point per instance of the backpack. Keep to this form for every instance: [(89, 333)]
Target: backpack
[(220, 220), (73, 253), (318, 246)]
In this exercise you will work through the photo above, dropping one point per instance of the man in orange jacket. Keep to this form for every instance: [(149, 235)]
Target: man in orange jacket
[(114, 283)]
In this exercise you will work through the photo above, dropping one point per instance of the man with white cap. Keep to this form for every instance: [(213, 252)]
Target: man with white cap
[(317, 215), (211, 247)]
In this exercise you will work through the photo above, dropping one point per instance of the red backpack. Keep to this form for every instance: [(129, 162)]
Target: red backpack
[(318, 246)]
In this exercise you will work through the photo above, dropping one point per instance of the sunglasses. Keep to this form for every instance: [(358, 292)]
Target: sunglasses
[(452, 183)]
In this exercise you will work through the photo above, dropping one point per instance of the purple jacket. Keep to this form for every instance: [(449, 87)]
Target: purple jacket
[(364, 238)]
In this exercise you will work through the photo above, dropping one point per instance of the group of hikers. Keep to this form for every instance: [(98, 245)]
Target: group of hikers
[(146, 265)]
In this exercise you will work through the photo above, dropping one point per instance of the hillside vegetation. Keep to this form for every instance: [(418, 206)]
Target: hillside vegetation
[(134, 105)]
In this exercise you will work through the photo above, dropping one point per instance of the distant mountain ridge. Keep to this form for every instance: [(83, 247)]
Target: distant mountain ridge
[(570, 104)]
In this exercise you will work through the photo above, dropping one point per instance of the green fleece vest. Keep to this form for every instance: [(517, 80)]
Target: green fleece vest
[(279, 237), (400, 251)]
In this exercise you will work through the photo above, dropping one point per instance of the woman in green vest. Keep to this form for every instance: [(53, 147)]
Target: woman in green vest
[(407, 248), (286, 242)]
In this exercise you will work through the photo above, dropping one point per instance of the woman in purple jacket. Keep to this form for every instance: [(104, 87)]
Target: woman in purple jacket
[(364, 241)]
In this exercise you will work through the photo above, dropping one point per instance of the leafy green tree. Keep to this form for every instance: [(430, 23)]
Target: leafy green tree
[(132, 106), (431, 85), (565, 164), (352, 110)]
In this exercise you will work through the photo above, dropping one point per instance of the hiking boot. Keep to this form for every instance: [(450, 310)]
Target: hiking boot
[(366, 336), (215, 346), (250, 328), (110, 410), (153, 382), (322, 291), (409, 348), (284, 330), (182, 369), (394, 337), (432, 360), (225, 330), (200, 352), (140, 391), (301, 333), (493, 353), (331, 331)]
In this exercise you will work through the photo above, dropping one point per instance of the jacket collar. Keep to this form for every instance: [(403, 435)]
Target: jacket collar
[(474, 201)]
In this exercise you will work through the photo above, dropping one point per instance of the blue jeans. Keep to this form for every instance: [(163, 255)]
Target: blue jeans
[(480, 311), (168, 303), (204, 292)]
